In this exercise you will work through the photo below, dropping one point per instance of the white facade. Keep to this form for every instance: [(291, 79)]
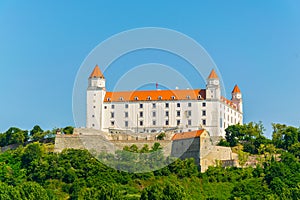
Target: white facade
[(158, 110)]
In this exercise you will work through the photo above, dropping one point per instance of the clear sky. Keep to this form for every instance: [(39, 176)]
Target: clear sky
[(255, 44)]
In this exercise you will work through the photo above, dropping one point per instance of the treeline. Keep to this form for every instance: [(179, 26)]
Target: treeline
[(33, 172), (20, 137), (251, 137)]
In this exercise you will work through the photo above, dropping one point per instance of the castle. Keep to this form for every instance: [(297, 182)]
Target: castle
[(192, 121), (154, 111)]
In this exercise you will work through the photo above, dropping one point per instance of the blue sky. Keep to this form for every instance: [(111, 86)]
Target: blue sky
[(255, 44)]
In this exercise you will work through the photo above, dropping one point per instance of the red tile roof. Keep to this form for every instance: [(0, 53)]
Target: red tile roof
[(187, 135), (228, 102), (96, 73), (236, 89), (213, 75), (155, 95)]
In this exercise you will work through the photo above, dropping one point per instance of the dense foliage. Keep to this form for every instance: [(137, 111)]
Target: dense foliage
[(33, 172), (251, 137)]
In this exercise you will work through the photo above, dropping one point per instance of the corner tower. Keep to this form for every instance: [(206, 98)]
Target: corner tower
[(95, 98), (213, 91), (237, 98), (213, 96)]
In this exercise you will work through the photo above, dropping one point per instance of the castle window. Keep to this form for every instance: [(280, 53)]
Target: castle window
[(153, 122), (178, 113), (204, 122), (112, 114), (112, 123), (105, 107), (167, 122), (141, 114), (160, 97), (93, 125), (94, 106), (167, 113), (189, 104), (148, 98), (136, 98), (178, 105), (93, 115), (167, 105), (203, 104), (188, 97), (154, 114), (126, 105), (173, 97), (141, 105), (189, 113), (112, 106), (153, 105), (126, 123), (189, 122), (203, 112), (121, 98), (126, 114), (178, 122), (141, 123)]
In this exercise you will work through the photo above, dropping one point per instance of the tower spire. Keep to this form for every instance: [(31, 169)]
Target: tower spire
[(213, 75), (96, 73), (236, 89)]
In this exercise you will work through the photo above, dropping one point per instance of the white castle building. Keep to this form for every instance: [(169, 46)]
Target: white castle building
[(152, 111)]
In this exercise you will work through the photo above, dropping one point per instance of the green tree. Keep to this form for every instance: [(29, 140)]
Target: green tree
[(285, 136), (32, 152), (8, 192), (13, 136), (109, 192), (32, 191), (68, 130), (295, 149), (249, 135), (166, 191), (161, 136), (36, 129)]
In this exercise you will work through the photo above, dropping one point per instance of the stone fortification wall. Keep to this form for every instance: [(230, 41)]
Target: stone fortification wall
[(218, 155), (97, 141), (202, 149)]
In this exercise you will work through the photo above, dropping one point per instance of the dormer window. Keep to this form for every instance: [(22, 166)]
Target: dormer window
[(121, 98), (173, 97), (199, 97), (148, 98), (188, 97), (160, 97), (136, 98), (108, 99)]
